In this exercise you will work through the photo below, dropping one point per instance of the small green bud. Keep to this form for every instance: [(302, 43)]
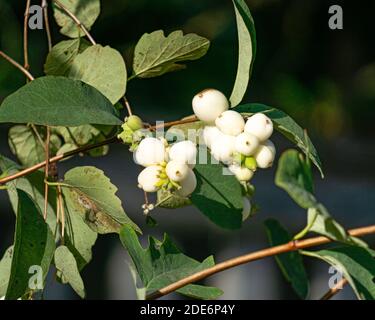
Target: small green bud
[(134, 122), (250, 163), (163, 176)]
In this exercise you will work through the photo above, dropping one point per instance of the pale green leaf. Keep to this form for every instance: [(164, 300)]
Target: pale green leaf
[(66, 264), (58, 101), (87, 11), (5, 266), (91, 195), (156, 54), (246, 51), (103, 68)]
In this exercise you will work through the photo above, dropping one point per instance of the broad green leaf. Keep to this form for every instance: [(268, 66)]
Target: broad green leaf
[(156, 54), (246, 51), (33, 246), (5, 265), (58, 101), (357, 265), (286, 126), (90, 194), (87, 11), (79, 237), (168, 201), (294, 176), (67, 265), (103, 68), (290, 263), (29, 149), (162, 263), (33, 185), (60, 58), (218, 196)]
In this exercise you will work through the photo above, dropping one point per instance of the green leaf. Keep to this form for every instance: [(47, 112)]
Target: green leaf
[(294, 176), (218, 196), (79, 237), (60, 58), (91, 195), (28, 148), (168, 201), (87, 11), (5, 265), (66, 264), (58, 101), (286, 126), (33, 185), (246, 51), (290, 263), (34, 246), (104, 69), (156, 54), (162, 263), (357, 265)]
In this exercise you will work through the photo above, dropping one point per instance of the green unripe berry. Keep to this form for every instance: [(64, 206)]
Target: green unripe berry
[(134, 122), (250, 163)]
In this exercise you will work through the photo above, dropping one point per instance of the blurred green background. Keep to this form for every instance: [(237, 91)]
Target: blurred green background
[(324, 79)]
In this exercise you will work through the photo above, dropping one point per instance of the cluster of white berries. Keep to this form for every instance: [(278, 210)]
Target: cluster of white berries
[(167, 167), (242, 145)]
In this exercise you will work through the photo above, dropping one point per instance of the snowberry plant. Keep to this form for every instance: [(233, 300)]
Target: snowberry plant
[(207, 160)]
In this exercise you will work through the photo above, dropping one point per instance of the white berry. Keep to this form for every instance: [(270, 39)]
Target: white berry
[(223, 148), (184, 152), (188, 185), (265, 155), (148, 178), (209, 104), (151, 151), (211, 134), (260, 126), (242, 174), (177, 171), (230, 122), (246, 144), (246, 208)]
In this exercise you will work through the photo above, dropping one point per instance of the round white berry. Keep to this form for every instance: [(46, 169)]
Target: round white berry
[(246, 208), (260, 126), (151, 151), (223, 148), (211, 134), (148, 178), (209, 104), (265, 155), (246, 144), (242, 174), (184, 152), (177, 171), (230, 122), (188, 185)]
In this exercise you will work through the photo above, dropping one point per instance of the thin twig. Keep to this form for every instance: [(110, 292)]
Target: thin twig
[(127, 105), (46, 171), (174, 123), (17, 65), (46, 23), (291, 246), (336, 289), (26, 36), (76, 21), (62, 213)]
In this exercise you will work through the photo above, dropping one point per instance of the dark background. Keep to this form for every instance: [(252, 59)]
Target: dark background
[(325, 79)]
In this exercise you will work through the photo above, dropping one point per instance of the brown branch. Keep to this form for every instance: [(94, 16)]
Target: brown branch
[(46, 171), (174, 123), (46, 23), (17, 65), (336, 289), (291, 246), (26, 36), (76, 21)]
